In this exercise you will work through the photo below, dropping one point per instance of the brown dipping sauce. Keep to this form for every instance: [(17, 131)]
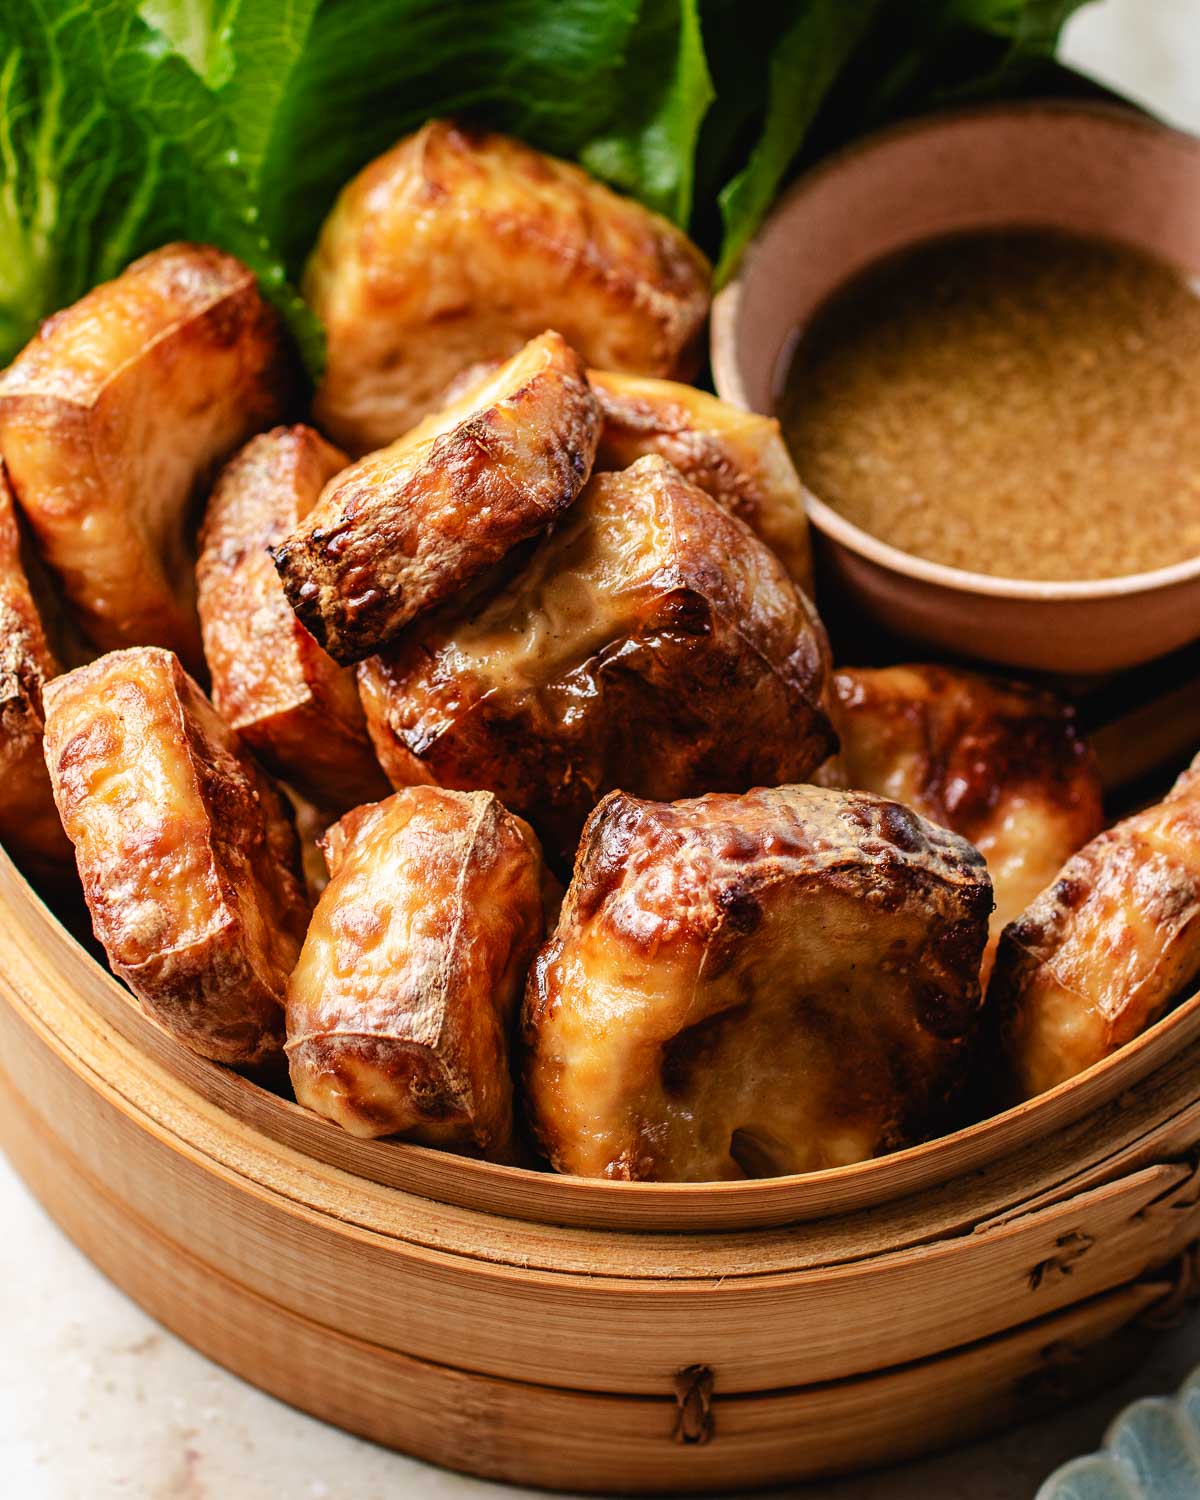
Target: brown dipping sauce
[(1020, 402)]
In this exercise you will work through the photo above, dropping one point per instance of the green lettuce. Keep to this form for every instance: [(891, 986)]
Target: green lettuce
[(111, 145), (803, 66), (649, 148), (125, 123)]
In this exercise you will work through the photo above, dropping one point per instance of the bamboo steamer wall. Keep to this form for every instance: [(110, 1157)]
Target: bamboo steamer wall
[(594, 1335)]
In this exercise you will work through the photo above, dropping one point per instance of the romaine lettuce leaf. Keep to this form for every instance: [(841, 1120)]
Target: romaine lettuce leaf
[(199, 29), (124, 123), (111, 146), (247, 52), (847, 66), (666, 89), (371, 70), (803, 66)]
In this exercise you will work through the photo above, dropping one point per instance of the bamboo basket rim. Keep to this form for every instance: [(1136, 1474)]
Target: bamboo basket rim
[(1147, 1140), (762, 1415), (553, 1198), (1152, 1130), (117, 1143)]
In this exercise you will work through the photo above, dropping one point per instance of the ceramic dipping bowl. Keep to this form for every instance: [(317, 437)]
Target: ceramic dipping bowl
[(1092, 169)]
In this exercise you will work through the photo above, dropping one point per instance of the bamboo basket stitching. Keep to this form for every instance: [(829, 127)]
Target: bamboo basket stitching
[(693, 1402)]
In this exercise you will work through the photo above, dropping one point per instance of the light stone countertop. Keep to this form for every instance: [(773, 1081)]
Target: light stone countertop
[(97, 1402)]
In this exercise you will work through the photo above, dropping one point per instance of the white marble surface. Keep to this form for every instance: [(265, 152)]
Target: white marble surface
[(99, 1403)]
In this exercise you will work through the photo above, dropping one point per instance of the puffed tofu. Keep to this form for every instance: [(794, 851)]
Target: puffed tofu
[(296, 708), (400, 1010), (748, 986), (29, 824), (738, 457), (651, 642), (311, 824), (1099, 955), (455, 247), (114, 418), (1003, 764), (405, 528), (185, 847)]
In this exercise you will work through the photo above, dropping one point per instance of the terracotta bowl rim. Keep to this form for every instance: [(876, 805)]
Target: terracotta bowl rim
[(727, 377)]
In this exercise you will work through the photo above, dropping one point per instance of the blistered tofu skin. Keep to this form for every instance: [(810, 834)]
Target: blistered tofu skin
[(455, 247), (737, 457), (1002, 764), (400, 1010), (293, 705), (1103, 950), (186, 850), (409, 526), (29, 824), (751, 986), (115, 417), (651, 642)]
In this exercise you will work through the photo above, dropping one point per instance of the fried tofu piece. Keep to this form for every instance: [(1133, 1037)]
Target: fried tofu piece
[(738, 457), (185, 847), (1102, 952), (651, 642), (294, 706), (752, 986), (29, 823), (311, 823), (455, 247), (1002, 764), (405, 528), (400, 1010), (114, 417)]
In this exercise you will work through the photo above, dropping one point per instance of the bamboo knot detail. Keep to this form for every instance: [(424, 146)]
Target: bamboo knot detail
[(693, 1402), (1069, 1247)]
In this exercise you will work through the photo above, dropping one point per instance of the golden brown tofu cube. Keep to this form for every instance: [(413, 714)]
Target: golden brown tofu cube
[(400, 1009), (186, 850), (738, 457), (1002, 764), (311, 825), (1102, 952), (29, 823), (292, 704), (409, 526), (651, 642), (116, 415), (752, 986), (456, 247)]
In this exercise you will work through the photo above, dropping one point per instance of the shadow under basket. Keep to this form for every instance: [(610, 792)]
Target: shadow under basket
[(605, 1336)]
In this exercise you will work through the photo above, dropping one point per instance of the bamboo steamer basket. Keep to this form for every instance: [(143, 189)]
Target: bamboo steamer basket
[(593, 1335)]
